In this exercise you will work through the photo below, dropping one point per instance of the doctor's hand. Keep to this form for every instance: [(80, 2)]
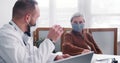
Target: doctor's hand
[(55, 32), (58, 57)]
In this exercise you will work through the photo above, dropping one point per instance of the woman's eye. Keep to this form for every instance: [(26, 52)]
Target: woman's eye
[(75, 22)]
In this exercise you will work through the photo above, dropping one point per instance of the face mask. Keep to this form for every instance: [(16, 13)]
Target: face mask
[(28, 32), (78, 27), (31, 28)]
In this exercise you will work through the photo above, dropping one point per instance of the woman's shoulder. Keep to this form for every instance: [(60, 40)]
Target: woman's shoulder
[(87, 33)]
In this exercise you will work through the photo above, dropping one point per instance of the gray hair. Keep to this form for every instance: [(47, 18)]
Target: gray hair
[(77, 15)]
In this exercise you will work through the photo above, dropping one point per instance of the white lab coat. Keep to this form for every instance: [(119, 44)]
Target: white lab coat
[(13, 49)]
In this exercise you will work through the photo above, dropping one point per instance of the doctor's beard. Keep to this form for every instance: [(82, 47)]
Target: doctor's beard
[(31, 28), (28, 32)]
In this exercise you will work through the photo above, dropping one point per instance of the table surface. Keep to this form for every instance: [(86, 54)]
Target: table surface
[(104, 57)]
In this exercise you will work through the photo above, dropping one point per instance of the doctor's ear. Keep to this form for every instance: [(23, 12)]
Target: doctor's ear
[(27, 18)]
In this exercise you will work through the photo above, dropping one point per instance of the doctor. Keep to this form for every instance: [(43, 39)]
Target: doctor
[(16, 45)]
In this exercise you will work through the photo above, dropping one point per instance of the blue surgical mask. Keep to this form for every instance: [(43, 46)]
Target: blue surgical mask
[(78, 27)]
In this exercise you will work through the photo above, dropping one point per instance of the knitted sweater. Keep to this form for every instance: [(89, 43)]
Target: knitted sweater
[(74, 43)]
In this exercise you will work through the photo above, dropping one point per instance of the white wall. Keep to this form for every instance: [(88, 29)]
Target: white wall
[(6, 11)]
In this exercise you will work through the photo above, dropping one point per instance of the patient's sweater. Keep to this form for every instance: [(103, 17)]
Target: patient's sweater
[(74, 43)]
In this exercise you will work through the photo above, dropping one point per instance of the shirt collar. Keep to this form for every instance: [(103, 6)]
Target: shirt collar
[(16, 27)]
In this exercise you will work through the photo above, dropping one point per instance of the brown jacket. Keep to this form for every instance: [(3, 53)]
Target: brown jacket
[(74, 43)]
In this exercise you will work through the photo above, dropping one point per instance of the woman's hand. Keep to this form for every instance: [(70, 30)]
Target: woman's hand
[(58, 57), (85, 51)]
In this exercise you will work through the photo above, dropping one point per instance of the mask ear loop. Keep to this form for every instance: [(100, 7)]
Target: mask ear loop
[(28, 32)]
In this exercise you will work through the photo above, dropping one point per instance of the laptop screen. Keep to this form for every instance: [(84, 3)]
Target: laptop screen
[(82, 58)]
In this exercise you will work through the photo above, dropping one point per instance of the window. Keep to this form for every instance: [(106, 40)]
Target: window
[(64, 11), (43, 20), (105, 6), (98, 13), (56, 12), (105, 13)]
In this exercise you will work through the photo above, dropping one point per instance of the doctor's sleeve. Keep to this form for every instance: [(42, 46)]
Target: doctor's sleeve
[(12, 51), (45, 50)]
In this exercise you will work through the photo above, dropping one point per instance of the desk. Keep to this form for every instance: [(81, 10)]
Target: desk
[(107, 58), (102, 56)]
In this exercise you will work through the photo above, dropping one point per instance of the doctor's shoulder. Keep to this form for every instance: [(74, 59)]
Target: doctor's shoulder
[(7, 30)]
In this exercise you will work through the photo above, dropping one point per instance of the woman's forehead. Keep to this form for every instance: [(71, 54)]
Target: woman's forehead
[(78, 19)]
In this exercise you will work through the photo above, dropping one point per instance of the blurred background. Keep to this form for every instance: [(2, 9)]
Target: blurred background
[(97, 13)]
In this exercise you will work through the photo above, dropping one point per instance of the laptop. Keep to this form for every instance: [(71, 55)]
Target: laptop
[(82, 58)]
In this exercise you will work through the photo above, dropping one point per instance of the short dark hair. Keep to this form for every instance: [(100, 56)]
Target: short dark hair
[(21, 7)]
